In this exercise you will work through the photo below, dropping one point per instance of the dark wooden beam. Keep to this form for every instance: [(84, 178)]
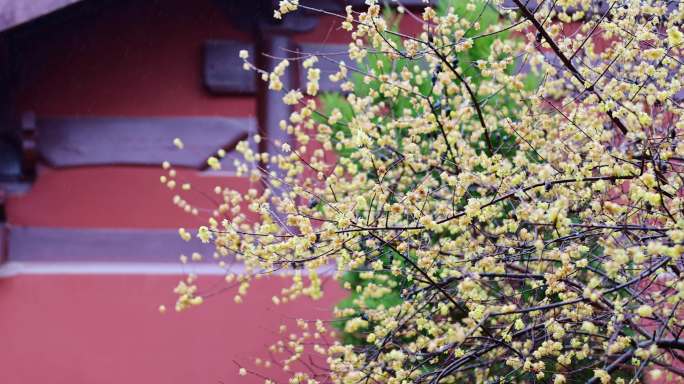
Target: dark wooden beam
[(13, 175), (80, 141), (29, 149), (3, 242), (256, 16), (10, 158), (405, 3), (101, 245), (597, 6), (10, 147)]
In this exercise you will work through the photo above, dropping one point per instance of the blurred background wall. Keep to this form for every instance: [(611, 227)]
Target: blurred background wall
[(91, 95)]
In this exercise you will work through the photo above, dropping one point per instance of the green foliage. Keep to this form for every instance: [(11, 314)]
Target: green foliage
[(481, 49), (357, 282)]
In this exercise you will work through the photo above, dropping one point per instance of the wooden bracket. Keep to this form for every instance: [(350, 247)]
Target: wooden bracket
[(223, 72), (3, 228), (28, 136)]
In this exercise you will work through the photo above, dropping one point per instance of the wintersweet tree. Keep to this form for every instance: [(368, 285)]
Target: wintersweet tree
[(505, 192)]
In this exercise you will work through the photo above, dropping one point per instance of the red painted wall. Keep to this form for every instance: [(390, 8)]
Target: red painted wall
[(136, 58), (107, 329), (132, 59), (113, 197)]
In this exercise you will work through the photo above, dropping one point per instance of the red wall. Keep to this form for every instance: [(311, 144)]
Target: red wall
[(106, 329), (134, 58), (111, 197)]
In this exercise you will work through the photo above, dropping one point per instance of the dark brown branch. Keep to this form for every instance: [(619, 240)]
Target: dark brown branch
[(566, 62)]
